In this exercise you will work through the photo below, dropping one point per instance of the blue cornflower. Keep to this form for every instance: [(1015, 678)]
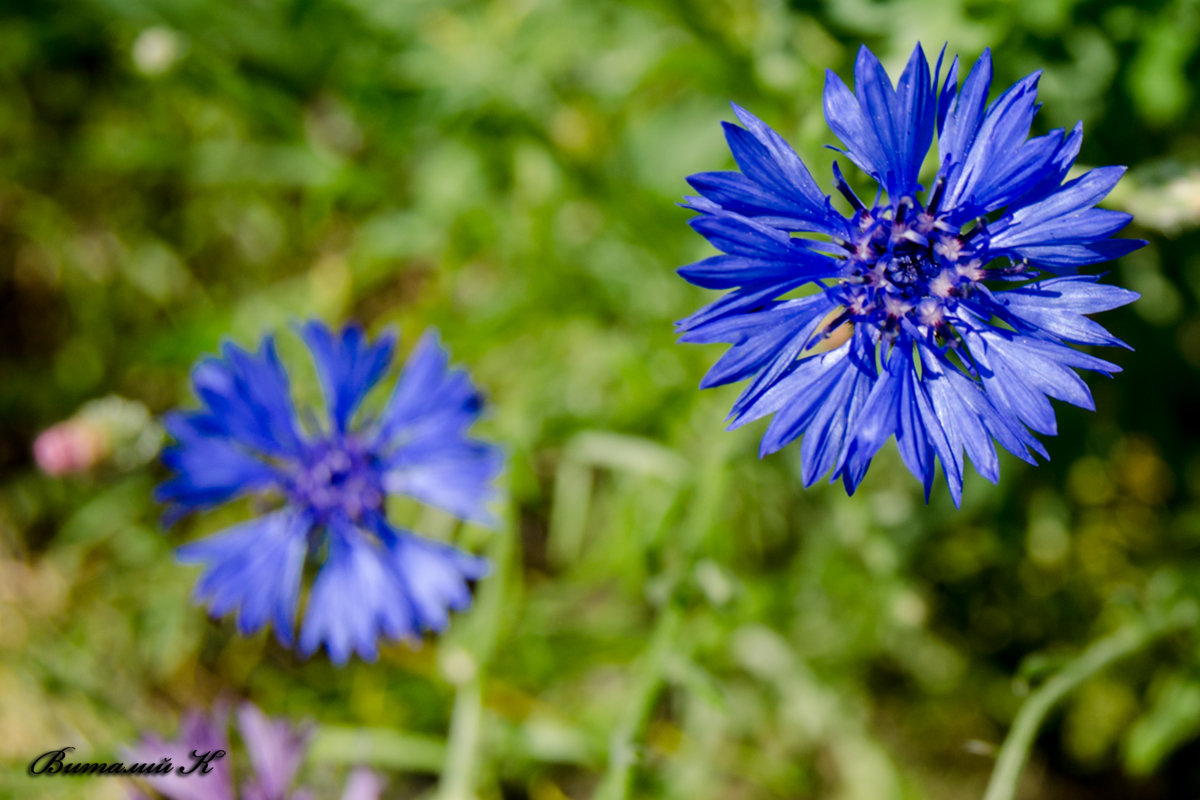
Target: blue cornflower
[(909, 332), (331, 482)]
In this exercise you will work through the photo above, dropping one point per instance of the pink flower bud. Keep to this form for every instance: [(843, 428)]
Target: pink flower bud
[(71, 447)]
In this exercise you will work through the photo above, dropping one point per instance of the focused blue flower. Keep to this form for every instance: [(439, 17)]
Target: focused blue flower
[(330, 482), (942, 318)]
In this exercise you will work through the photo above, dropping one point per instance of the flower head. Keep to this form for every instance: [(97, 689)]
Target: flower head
[(275, 748), (331, 481), (109, 431), (70, 447), (942, 317)]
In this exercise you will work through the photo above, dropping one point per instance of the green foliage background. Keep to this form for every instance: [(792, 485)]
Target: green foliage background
[(669, 615)]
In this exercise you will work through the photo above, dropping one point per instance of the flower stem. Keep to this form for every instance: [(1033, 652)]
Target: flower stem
[(480, 639), (651, 672), (458, 774), (1126, 641), (666, 646)]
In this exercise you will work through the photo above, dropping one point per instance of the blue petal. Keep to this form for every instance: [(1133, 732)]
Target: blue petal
[(429, 397), (1019, 373), (796, 395), (995, 148), (1064, 217), (1066, 258), (755, 254), (769, 340), (826, 431), (886, 132), (1057, 307), (348, 366), (1006, 388), (746, 299), (701, 204), (898, 404), (877, 99), (786, 171), (452, 474), (774, 185), (742, 236), (962, 408), (964, 115), (1085, 226), (421, 443), (849, 123), (876, 423), (253, 568), (1018, 177), (435, 577), (807, 316), (247, 398), (1055, 170), (948, 94), (209, 471), (730, 272), (357, 598), (815, 399), (920, 435), (915, 120)]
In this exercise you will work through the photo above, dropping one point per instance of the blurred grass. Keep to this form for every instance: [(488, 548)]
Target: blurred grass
[(678, 619)]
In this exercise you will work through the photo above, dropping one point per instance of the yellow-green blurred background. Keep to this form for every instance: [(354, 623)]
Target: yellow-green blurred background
[(670, 616)]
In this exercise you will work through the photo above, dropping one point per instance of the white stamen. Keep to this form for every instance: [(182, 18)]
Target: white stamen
[(971, 270), (896, 307), (930, 312), (943, 285), (949, 248)]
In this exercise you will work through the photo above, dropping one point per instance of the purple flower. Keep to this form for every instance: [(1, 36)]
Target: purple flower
[(200, 734), (331, 482), (275, 748), (944, 317)]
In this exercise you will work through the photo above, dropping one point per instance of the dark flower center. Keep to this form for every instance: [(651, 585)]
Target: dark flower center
[(339, 475), (909, 264), (905, 270)]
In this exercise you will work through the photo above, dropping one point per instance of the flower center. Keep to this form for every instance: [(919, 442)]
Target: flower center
[(910, 263), (906, 269), (339, 475)]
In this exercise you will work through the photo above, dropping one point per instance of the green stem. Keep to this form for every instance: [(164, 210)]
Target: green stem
[(458, 774), (666, 646), (1124, 642), (388, 749), (479, 641), (651, 671)]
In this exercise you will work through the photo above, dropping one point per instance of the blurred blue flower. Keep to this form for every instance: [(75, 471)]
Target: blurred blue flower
[(275, 748), (908, 333), (374, 579)]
